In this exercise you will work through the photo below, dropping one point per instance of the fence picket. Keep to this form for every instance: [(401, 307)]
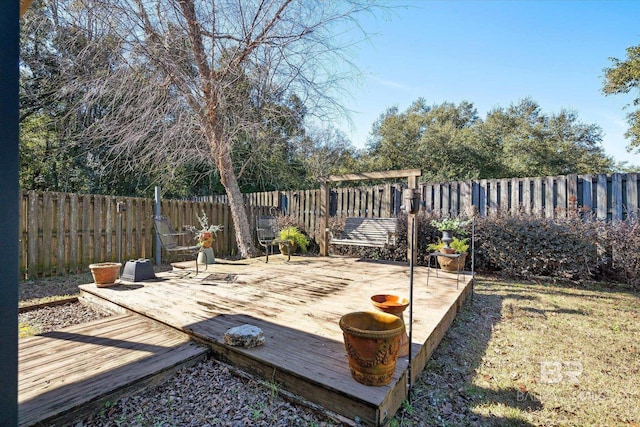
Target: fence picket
[(616, 195), (632, 195), (601, 193)]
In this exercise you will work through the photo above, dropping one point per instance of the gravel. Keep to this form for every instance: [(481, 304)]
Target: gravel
[(208, 394), (48, 319)]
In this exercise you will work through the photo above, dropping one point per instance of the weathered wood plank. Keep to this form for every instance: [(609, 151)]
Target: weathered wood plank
[(33, 231), (548, 198), (632, 195), (561, 208), (492, 197), (527, 200), (602, 208), (616, 196), (375, 175), (61, 234), (504, 197), (102, 358), (482, 197), (538, 197), (515, 206), (454, 195), (587, 194), (438, 206), (48, 242)]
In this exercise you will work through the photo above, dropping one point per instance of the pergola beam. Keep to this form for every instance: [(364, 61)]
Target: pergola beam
[(405, 173)]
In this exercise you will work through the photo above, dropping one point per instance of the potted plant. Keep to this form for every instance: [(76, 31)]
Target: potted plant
[(295, 238), (205, 236), (457, 247), (450, 227)]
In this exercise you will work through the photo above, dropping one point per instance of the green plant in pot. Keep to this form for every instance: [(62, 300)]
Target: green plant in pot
[(456, 246), (450, 227), (295, 238)]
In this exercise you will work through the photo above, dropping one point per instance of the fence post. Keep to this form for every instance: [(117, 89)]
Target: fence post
[(157, 250)]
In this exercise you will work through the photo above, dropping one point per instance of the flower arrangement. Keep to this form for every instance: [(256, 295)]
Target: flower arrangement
[(205, 235), (453, 225)]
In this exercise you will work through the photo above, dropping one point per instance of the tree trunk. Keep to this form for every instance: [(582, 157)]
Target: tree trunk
[(241, 226)]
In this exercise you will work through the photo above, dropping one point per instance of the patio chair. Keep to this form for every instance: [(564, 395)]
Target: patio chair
[(267, 231), (169, 240)]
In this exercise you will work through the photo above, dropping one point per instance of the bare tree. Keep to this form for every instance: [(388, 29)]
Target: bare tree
[(195, 78)]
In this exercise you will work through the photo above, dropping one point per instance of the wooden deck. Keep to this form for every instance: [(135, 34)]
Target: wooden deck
[(298, 305), (61, 372)]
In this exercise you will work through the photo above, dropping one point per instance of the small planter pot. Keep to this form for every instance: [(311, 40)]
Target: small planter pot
[(452, 264), (105, 273), (206, 256), (393, 304), (372, 341)]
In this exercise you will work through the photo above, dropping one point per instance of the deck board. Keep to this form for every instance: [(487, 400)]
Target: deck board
[(298, 305), (60, 371)]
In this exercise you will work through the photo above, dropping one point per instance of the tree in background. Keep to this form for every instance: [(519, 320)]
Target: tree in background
[(524, 141), (325, 151), (624, 77), (450, 142)]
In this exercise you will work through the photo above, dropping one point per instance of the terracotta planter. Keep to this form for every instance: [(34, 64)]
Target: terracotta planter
[(105, 273), (452, 264), (393, 304), (372, 341)]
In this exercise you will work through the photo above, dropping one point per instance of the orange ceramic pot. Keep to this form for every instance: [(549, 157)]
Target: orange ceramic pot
[(372, 341), (105, 273)]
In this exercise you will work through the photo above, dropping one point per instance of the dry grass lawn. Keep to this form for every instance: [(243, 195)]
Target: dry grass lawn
[(534, 354)]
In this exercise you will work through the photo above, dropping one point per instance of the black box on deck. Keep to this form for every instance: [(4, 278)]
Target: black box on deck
[(137, 270)]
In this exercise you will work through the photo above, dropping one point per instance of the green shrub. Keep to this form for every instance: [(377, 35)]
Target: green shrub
[(525, 246), (459, 245), (295, 236)]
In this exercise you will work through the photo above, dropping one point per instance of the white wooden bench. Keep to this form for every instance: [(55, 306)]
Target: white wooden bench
[(371, 232)]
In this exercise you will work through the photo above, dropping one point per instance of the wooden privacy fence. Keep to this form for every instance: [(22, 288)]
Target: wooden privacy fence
[(63, 233), (602, 196)]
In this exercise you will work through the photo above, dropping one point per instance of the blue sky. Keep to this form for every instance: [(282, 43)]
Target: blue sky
[(494, 53)]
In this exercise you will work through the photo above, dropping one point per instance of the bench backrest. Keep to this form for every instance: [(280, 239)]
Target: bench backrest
[(373, 229)]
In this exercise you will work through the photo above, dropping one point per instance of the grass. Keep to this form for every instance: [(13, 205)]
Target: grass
[(534, 354)]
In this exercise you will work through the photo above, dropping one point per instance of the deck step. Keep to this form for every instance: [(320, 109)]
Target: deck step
[(72, 371)]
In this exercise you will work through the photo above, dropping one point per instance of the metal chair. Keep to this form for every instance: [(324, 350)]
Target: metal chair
[(267, 231), (169, 239)]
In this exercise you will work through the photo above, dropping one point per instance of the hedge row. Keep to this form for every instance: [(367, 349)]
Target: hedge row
[(521, 246)]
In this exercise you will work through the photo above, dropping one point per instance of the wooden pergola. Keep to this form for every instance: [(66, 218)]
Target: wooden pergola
[(412, 182)]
